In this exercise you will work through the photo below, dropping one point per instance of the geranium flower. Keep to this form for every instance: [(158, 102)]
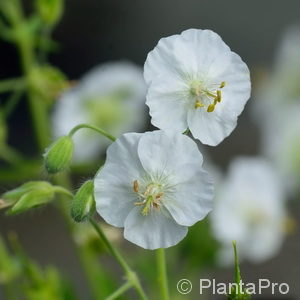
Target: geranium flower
[(153, 185), (249, 208), (196, 82), (280, 143), (110, 96)]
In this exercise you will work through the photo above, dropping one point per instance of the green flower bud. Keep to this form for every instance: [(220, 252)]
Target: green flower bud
[(83, 205), (59, 155), (50, 10), (28, 195)]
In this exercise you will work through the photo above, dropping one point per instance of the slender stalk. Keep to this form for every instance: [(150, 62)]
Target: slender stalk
[(162, 274), (131, 276), (12, 102), (63, 191), (121, 290), (13, 84), (38, 108), (88, 126)]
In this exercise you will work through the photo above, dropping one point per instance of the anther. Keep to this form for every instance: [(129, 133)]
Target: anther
[(211, 108), (136, 186), (223, 83), (198, 104)]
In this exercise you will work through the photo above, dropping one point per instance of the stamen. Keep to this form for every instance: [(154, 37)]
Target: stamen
[(198, 104), (214, 95), (136, 186), (223, 83), (211, 108)]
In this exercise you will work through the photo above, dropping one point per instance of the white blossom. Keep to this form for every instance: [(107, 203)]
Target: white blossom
[(110, 96), (196, 82), (249, 209), (154, 186)]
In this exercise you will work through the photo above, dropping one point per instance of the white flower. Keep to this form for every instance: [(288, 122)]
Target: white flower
[(280, 88), (280, 143), (196, 82), (250, 209), (110, 96), (153, 185)]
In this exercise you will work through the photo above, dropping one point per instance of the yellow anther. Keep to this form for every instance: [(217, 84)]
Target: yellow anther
[(136, 186), (198, 104), (223, 83), (211, 108), (158, 196)]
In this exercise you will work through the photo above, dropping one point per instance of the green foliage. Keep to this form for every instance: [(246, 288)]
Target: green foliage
[(237, 293)]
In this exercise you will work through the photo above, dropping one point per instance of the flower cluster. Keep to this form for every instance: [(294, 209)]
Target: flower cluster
[(153, 184)]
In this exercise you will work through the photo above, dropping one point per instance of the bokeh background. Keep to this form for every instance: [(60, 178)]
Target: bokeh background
[(95, 31)]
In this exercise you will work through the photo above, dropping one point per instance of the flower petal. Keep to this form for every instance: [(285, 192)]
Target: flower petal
[(153, 231), (114, 194), (191, 200), (167, 153), (167, 104)]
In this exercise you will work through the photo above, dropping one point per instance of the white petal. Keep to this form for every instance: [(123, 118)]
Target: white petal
[(192, 200), (210, 128), (167, 153), (167, 104), (171, 56), (153, 231), (114, 194)]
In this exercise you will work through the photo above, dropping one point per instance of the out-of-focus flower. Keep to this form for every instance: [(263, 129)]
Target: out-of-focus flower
[(154, 186), (280, 142), (249, 208), (281, 86), (196, 82), (277, 110), (110, 96)]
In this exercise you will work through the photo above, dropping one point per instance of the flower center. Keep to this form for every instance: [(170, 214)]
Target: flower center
[(205, 97), (149, 196)]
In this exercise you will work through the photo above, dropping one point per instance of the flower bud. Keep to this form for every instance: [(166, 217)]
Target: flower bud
[(29, 195), (59, 155), (50, 10), (83, 205)]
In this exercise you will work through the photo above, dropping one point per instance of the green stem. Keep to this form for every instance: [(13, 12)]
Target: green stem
[(120, 291), (88, 126), (63, 191), (162, 274), (13, 84), (131, 276), (38, 108), (12, 102)]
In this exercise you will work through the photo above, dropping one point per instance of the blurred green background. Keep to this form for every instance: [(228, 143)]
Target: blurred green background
[(95, 31)]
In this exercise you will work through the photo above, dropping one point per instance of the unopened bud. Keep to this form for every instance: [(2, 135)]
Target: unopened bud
[(29, 195), (83, 205), (59, 155), (50, 10)]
